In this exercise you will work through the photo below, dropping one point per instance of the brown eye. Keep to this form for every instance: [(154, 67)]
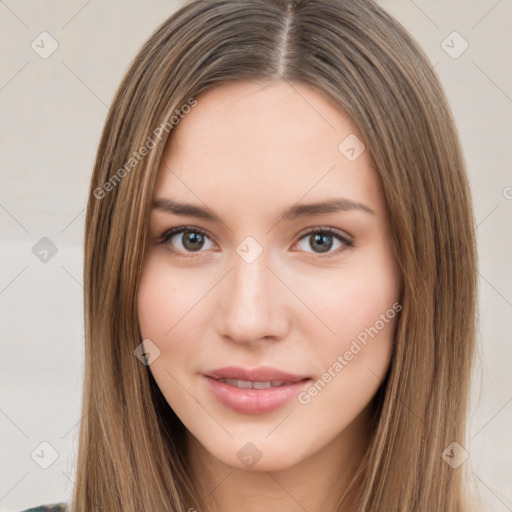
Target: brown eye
[(322, 241), (185, 239)]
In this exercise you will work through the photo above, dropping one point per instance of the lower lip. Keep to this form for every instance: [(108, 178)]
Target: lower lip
[(254, 401)]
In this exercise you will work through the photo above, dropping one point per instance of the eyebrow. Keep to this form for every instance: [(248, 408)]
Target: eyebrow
[(299, 210)]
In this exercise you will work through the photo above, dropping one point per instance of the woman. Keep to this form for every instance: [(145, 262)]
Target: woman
[(240, 367)]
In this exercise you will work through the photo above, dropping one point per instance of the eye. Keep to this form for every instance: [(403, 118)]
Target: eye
[(322, 239), (195, 239)]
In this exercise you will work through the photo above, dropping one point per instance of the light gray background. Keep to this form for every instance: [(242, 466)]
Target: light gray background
[(52, 112)]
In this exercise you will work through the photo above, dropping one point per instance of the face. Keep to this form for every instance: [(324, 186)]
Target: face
[(251, 277)]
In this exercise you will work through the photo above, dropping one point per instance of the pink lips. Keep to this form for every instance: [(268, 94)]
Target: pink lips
[(260, 374), (254, 401)]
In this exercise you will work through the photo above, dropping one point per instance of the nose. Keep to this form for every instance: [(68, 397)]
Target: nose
[(252, 305)]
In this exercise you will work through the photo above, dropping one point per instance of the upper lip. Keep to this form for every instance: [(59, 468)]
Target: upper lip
[(259, 374)]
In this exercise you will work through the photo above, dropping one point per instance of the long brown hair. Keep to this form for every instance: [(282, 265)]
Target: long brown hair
[(132, 447)]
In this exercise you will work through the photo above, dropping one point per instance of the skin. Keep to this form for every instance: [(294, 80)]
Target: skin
[(247, 152)]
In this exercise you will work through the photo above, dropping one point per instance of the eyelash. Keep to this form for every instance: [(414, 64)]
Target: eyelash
[(166, 236)]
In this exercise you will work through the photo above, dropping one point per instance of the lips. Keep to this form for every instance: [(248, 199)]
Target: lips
[(254, 391), (247, 384), (260, 374)]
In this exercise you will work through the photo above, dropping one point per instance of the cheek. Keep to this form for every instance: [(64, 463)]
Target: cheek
[(355, 297), (362, 309), (162, 305), (152, 304), (360, 306), (171, 306), (162, 300)]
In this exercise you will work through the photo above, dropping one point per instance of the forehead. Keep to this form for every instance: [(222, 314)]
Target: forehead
[(258, 143)]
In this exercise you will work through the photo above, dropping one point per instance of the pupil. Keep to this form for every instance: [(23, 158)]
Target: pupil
[(324, 241)]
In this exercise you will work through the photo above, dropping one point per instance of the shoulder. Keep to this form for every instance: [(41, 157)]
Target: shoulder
[(56, 507)]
